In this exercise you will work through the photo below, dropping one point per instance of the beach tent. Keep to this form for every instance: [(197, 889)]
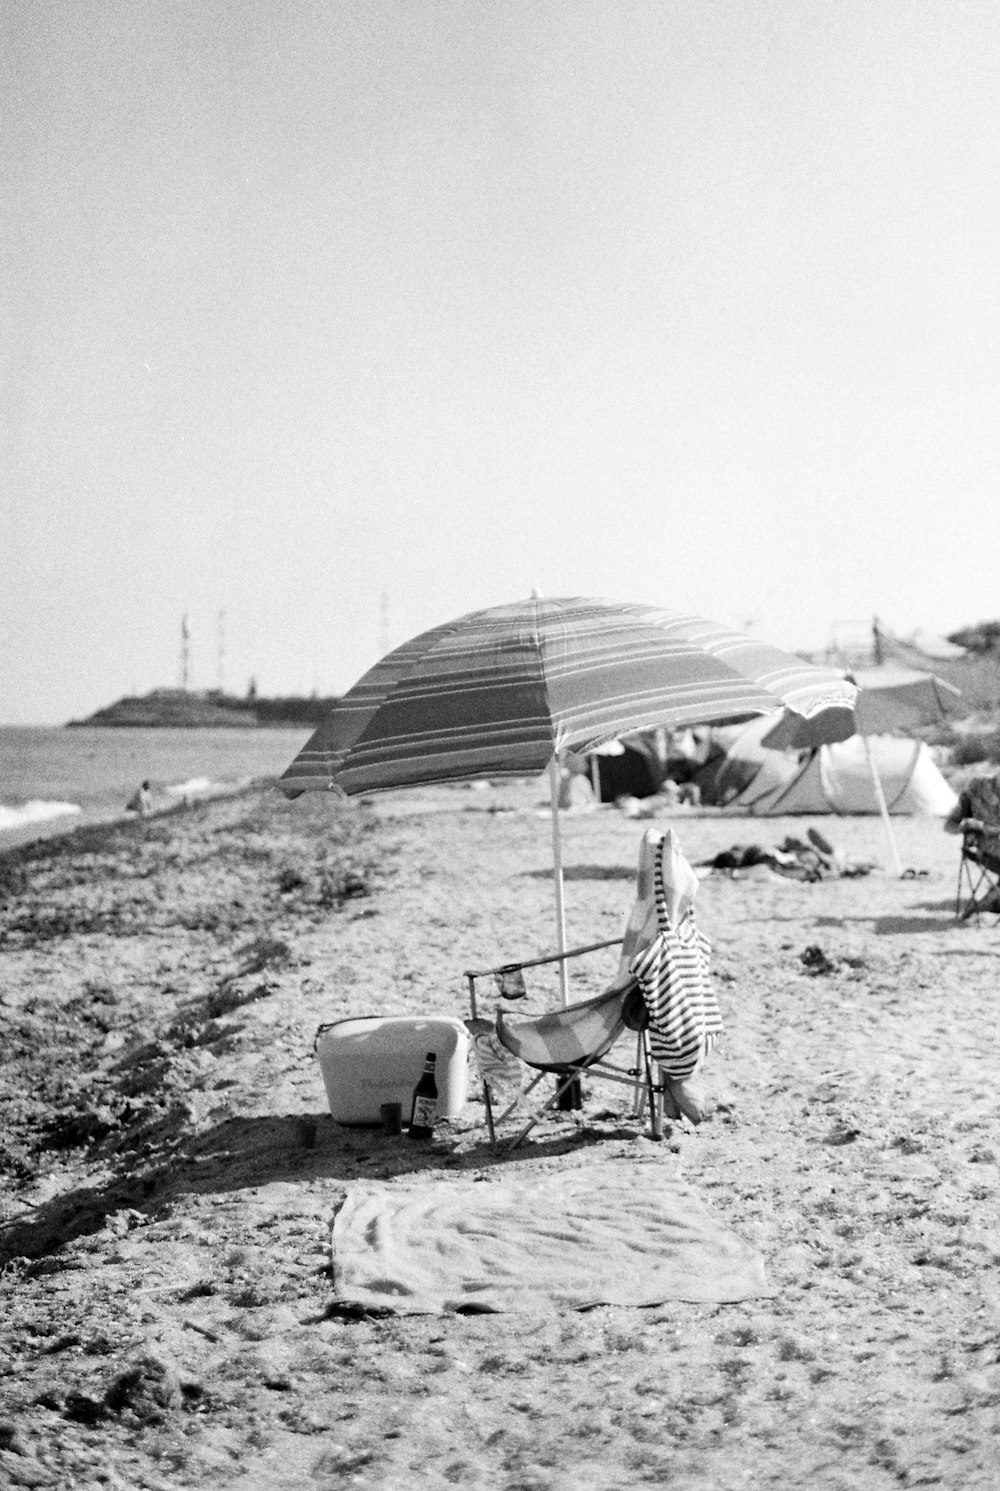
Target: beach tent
[(840, 776), (741, 770), (750, 777), (630, 767)]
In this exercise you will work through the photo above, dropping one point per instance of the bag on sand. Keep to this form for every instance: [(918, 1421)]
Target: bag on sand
[(684, 1018)]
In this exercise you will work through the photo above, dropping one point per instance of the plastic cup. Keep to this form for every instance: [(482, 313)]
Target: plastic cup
[(391, 1115)]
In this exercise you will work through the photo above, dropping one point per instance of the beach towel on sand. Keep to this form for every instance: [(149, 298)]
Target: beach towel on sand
[(612, 1233)]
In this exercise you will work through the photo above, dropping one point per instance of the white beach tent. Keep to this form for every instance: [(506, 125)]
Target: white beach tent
[(838, 778)]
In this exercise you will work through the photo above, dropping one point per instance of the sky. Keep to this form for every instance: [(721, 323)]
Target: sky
[(322, 323)]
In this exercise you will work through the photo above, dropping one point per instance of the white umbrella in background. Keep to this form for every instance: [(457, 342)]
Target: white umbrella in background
[(889, 699)]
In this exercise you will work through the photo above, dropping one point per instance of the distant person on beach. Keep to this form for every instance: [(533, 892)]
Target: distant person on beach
[(142, 802)]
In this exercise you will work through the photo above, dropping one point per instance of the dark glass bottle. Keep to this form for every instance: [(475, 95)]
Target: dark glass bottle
[(423, 1113)]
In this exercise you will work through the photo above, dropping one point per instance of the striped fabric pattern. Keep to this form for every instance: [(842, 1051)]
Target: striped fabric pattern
[(684, 1018), (577, 1035), (499, 692)]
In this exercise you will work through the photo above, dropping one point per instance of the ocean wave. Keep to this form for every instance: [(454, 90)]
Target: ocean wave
[(193, 787), (35, 811)]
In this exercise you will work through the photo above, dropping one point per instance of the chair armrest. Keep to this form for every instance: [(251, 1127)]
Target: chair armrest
[(975, 829)]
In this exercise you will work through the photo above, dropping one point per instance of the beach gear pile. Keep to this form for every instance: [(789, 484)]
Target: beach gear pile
[(812, 858)]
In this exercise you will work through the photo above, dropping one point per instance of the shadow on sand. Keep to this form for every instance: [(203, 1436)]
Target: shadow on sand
[(902, 926), (245, 1153), (586, 872)]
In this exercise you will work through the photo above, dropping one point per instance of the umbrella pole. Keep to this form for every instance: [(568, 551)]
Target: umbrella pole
[(882, 806), (558, 876)]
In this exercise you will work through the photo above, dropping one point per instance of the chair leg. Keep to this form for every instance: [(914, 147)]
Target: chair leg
[(978, 891), (963, 908), (640, 1079), (977, 901), (642, 1090), (511, 1107), (563, 1086)]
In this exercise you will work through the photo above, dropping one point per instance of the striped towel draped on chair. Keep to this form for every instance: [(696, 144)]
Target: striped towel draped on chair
[(672, 969)]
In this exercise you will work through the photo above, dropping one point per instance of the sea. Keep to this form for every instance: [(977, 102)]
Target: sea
[(53, 779)]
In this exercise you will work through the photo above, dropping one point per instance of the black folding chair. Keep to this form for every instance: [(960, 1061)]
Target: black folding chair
[(979, 865)]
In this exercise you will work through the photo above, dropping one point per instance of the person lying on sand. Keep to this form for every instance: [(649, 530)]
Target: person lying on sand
[(795, 858)]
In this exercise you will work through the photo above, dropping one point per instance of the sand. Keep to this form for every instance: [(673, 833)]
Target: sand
[(171, 1170)]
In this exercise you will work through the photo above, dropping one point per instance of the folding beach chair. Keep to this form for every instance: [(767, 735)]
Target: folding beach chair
[(979, 865), (565, 1043), (660, 992)]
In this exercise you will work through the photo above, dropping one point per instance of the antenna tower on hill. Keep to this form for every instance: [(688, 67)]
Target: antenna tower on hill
[(221, 653), (185, 653)]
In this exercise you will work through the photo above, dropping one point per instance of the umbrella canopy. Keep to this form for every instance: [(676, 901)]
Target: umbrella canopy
[(503, 692), (889, 699)]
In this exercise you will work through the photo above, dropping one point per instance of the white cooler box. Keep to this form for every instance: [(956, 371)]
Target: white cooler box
[(378, 1059)]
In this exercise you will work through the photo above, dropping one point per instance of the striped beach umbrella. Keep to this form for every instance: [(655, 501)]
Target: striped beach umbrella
[(506, 691)]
